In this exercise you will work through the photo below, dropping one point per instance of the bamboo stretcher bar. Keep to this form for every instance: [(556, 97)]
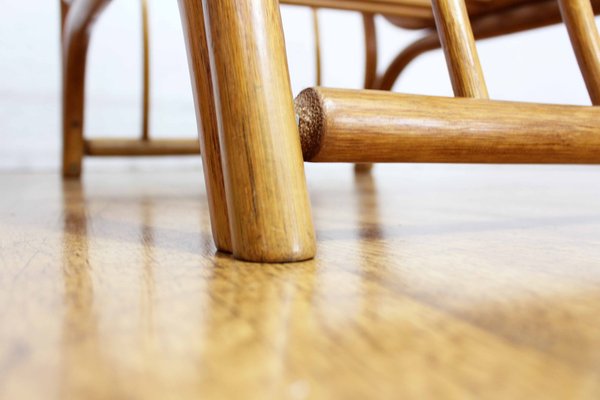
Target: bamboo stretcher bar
[(140, 148), (375, 126)]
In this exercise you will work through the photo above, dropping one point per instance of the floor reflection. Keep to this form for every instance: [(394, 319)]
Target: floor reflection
[(146, 300), (254, 316), (85, 367)]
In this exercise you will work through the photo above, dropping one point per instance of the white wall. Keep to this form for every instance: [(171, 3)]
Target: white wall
[(535, 66)]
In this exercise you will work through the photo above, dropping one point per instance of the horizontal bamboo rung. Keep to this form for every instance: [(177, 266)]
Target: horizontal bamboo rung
[(140, 148), (376, 126)]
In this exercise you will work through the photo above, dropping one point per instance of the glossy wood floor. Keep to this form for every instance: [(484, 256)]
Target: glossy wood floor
[(430, 282)]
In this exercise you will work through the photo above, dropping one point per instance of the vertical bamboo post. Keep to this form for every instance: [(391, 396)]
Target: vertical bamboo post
[(192, 19), (371, 59), (578, 16), (370, 33), (266, 191), (317, 34), (456, 36), (145, 71), (74, 56)]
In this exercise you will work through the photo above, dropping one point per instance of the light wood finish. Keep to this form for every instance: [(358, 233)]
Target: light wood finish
[(145, 71), (449, 281), (456, 37), (192, 19), (492, 19), (579, 19), (375, 126), (139, 148), (269, 210), (78, 19)]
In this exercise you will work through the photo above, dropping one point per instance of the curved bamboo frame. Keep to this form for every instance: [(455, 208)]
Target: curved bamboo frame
[(512, 20), (78, 18)]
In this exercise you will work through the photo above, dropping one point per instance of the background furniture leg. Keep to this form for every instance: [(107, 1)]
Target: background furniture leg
[(76, 27)]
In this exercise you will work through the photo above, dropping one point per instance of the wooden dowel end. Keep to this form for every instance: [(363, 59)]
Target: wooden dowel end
[(375, 126), (309, 114)]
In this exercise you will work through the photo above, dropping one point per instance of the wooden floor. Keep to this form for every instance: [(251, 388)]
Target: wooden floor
[(430, 282)]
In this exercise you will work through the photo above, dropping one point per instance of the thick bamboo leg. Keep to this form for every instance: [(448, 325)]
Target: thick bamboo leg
[(267, 199), (192, 18), (578, 16), (456, 36), (76, 30), (375, 126)]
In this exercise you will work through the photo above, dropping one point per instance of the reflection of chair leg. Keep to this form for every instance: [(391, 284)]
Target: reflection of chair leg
[(263, 171), (76, 27)]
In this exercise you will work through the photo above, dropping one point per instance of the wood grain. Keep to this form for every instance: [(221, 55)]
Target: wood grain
[(456, 37), (192, 19), (269, 210), (431, 281), (375, 126), (578, 16)]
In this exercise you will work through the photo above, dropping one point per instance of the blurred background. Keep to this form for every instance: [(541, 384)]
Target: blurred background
[(534, 66)]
